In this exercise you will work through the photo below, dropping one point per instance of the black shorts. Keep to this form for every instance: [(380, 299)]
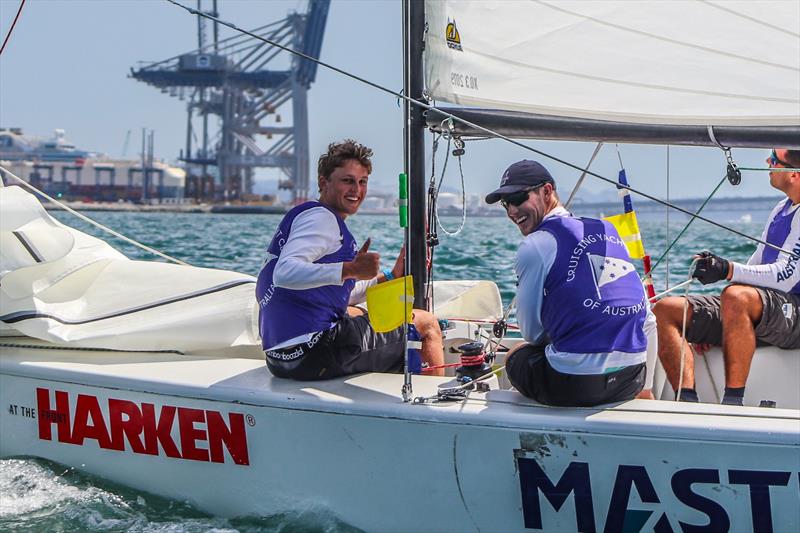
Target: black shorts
[(779, 325), (531, 374), (349, 347)]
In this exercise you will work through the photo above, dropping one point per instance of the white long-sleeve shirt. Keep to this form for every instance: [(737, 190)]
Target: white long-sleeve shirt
[(784, 273), (314, 234)]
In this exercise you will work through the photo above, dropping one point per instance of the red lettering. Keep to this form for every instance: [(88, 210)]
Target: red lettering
[(60, 416), (144, 432), (86, 408), (161, 432), (234, 438), (130, 427), (189, 434)]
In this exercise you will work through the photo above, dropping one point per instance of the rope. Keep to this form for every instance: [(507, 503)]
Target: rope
[(512, 327), (449, 138), (683, 330), (431, 235), (8, 35), (82, 349), (92, 222), (714, 140), (487, 131), (770, 169), (436, 367), (676, 287), (466, 360), (423, 399)]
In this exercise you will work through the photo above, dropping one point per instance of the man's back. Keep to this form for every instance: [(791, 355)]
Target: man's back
[(594, 301)]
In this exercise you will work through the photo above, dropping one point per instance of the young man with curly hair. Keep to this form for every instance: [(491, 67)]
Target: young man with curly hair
[(314, 271)]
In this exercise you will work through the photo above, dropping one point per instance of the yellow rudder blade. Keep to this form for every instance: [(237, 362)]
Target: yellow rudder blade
[(388, 300)]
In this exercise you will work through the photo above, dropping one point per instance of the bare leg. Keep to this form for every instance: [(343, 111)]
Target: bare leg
[(352, 310), (431, 335), (669, 316), (741, 309)]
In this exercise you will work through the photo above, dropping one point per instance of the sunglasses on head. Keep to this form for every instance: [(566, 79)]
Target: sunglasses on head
[(773, 160), (517, 198)]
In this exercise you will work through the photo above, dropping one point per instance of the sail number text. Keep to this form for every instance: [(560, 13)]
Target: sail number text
[(465, 81)]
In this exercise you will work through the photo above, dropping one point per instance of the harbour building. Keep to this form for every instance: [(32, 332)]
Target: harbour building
[(62, 170)]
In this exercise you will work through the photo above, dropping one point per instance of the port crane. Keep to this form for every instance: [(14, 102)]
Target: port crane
[(250, 87)]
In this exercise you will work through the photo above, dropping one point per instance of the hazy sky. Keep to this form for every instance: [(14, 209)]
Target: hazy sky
[(67, 63)]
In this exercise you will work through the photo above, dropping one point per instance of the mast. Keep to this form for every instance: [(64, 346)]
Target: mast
[(414, 12)]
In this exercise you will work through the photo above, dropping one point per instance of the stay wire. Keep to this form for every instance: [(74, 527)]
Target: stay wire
[(686, 227), (683, 330), (13, 24), (470, 124), (579, 183), (666, 263)]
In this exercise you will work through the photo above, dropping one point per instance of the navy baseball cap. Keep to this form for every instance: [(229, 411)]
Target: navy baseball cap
[(520, 176)]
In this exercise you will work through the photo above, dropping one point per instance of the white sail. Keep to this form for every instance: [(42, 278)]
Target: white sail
[(71, 289), (692, 62)]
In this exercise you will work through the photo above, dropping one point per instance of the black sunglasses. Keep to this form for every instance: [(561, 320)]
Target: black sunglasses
[(517, 198), (774, 160)]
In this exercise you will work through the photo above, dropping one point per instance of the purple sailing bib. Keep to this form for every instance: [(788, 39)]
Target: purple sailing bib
[(288, 313), (593, 299)]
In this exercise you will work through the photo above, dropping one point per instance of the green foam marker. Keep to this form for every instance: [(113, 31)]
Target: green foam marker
[(402, 202)]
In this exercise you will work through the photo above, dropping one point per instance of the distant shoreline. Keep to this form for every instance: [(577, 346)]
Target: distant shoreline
[(641, 205)]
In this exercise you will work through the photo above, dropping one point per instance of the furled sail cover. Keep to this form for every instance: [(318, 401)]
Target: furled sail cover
[(691, 62), (69, 288)]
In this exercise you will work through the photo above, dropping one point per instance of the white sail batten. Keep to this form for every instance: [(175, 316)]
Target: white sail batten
[(682, 62)]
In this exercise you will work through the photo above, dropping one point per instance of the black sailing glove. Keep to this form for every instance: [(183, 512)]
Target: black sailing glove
[(710, 268)]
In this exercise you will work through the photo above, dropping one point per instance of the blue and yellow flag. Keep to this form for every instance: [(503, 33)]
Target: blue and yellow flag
[(626, 223), (386, 302), (628, 229)]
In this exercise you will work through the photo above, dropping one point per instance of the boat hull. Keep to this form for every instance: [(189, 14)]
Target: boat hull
[(233, 441)]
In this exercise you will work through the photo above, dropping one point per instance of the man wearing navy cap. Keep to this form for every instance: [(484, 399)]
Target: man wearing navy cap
[(581, 307)]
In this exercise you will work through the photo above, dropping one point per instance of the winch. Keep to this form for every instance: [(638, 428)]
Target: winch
[(473, 362)]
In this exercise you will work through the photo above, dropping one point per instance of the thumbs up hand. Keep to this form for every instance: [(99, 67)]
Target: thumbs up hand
[(365, 265), (400, 263)]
